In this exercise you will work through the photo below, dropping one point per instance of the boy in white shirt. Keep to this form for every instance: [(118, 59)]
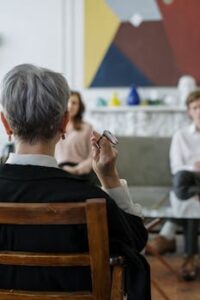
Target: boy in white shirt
[(185, 168)]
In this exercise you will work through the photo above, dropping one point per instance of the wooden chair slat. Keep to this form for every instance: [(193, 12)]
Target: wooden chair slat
[(42, 213), (99, 247), (43, 259), (117, 290), (91, 212), (24, 295)]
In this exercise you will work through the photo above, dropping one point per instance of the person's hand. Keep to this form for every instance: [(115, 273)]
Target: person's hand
[(104, 161), (197, 165)]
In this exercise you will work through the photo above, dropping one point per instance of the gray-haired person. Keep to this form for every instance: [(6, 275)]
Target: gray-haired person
[(34, 102)]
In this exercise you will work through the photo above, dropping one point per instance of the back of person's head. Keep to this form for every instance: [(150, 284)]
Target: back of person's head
[(192, 97), (34, 101)]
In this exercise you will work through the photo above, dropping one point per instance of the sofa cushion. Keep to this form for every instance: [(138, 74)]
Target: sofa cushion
[(144, 161), (154, 200), (151, 196)]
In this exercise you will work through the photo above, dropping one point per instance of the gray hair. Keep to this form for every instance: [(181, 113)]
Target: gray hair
[(34, 101)]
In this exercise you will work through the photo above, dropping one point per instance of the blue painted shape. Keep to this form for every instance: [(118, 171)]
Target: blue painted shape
[(117, 70)]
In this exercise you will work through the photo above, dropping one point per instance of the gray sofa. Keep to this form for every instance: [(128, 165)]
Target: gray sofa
[(144, 163)]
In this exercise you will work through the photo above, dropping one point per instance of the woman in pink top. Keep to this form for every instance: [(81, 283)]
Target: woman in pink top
[(73, 152)]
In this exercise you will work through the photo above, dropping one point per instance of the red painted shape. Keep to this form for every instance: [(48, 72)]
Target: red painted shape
[(148, 49), (181, 21)]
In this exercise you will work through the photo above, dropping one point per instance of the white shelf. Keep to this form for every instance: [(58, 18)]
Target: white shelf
[(137, 108), (152, 120)]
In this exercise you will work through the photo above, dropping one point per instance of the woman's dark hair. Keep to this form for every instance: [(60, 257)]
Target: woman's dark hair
[(78, 118)]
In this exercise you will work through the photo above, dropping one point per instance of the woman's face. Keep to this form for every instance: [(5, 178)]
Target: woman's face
[(73, 106)]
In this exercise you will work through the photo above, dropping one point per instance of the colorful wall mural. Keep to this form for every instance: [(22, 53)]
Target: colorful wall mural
[(147, 43)]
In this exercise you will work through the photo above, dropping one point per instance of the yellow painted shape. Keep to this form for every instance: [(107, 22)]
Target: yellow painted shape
[(101, 25)]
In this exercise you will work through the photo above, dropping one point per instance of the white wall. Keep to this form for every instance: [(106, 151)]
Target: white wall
[(38, 32), (31, 32)]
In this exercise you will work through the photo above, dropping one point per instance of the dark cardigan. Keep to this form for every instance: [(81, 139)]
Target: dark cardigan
[(127, 233)]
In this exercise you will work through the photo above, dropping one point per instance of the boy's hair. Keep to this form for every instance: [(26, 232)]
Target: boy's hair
[(192, 97)]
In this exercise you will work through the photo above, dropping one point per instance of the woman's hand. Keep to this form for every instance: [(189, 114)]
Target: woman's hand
[(104, 161)]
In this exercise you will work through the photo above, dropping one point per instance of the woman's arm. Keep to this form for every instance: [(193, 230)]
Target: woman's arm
[(124, 215), (84, 167)]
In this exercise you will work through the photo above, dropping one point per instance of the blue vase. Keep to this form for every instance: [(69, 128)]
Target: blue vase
[(133, 97)]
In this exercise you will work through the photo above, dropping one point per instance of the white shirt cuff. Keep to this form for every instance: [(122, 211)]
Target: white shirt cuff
[(122, 198), (184, 168)]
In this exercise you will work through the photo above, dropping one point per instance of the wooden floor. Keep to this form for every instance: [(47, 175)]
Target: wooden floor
[(174, 288)]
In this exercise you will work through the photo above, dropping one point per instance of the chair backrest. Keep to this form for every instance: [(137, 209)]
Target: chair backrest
[(93, 213)]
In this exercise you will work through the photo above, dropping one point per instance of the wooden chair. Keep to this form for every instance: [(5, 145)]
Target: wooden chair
[(105, 286)]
